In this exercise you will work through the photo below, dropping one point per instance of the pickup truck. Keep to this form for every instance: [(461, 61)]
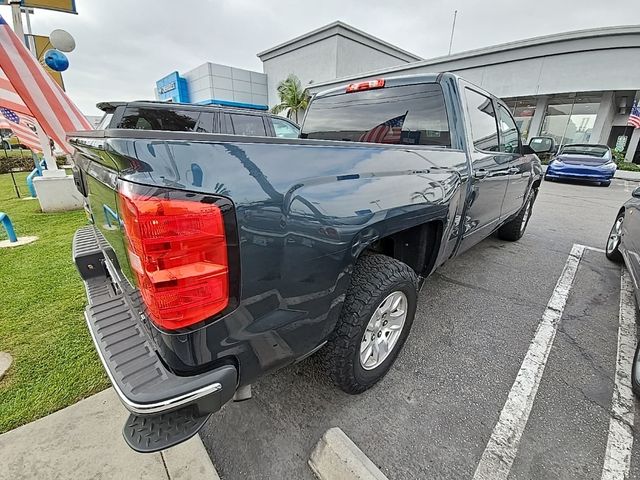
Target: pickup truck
[(212, 260)]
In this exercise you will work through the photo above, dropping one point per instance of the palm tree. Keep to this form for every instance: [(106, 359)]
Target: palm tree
[(292, 97)]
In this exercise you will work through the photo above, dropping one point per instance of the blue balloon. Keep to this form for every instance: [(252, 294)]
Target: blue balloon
[(56, 60)]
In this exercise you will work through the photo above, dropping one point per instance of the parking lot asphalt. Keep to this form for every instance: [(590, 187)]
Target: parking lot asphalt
[(434, 413)]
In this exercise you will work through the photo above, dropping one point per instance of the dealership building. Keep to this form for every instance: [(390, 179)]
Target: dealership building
[(575, 86)]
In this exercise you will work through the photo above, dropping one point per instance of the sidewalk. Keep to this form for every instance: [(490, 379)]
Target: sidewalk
[(84, 441), (625, 175)]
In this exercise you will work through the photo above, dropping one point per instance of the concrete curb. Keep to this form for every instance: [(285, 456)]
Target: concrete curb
[(189, 460), (336, 457), (85, 441)]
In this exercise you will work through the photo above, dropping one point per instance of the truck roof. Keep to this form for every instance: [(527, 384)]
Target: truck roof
[(108, 107)]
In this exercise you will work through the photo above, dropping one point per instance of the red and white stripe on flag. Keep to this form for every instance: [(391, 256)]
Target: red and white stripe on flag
[(9, 98), (24, 130), (50, 106)]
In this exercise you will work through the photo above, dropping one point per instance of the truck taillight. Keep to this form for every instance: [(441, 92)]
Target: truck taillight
[(178, 252), (371, 84)]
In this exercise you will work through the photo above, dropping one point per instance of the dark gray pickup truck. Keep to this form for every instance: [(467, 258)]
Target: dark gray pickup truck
[(212, 259)]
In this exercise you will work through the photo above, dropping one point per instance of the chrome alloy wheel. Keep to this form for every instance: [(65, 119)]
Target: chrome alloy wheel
[(615, 236), (383, 330), (525, 217)]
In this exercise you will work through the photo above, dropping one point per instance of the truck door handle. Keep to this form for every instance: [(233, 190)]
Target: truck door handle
[(513, 170), (480, 174)]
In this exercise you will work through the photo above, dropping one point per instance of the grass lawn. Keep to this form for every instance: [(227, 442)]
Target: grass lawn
[(41, 321)]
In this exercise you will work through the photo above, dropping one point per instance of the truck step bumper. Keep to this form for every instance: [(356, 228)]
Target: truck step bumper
[(166, 408), (147, 434)]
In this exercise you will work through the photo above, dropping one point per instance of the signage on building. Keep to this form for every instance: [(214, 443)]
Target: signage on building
[(167, 87), (68, 6)]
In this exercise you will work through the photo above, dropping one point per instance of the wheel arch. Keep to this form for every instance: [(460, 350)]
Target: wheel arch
[(417, 246)]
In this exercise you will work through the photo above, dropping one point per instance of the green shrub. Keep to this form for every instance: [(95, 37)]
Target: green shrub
[(22, 161)]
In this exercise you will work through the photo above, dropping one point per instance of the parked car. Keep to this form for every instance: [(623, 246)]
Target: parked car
[(589, 162), (623, 247), (9, 140), (213, 260), (183, 117)]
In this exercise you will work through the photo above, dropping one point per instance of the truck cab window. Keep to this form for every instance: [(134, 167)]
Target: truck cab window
[(509, 135), (482, 116), (408, 114)]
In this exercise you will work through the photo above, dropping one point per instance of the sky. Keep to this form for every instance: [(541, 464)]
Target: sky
[(123, 46)]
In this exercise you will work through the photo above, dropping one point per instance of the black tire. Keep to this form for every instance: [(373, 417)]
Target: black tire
[(605, 183), (514, 229), (5, 145), (374, 278), (612, 251)]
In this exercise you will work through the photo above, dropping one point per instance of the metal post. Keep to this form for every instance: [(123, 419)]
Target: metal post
[(46, 149), (17, 18), (8, 226), (31, 44), (13, 178), (453, 29)]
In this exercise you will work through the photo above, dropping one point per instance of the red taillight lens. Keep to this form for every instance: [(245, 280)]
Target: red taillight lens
[(178, 252), (371, 84)]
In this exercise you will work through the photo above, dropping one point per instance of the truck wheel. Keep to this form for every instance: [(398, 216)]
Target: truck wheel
[(374, 323), (5, 145), (514, 229), (613, 242)]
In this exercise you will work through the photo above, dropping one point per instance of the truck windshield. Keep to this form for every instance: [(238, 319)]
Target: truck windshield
[(409, 114)]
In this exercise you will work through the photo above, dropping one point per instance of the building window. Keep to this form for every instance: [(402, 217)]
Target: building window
[(570, 119), (522, 110)]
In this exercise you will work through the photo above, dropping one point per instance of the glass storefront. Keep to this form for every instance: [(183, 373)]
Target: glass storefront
[(522, 110), (570, 119)]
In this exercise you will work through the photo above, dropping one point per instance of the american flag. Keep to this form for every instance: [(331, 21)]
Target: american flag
[(22, 126), (49, 105), (9, 98), (386, 132), (634, 117)]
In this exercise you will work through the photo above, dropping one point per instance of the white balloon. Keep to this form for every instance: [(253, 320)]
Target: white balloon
[(62, 40)]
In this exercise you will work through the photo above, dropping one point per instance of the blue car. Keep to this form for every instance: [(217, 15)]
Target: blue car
[(588, 162)]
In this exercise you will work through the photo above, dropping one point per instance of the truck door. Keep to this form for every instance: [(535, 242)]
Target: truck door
[(519, 170), (490, 169)]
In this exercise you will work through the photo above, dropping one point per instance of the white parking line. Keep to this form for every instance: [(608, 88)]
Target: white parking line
[(595, 249), (617, 458), (502, 447)]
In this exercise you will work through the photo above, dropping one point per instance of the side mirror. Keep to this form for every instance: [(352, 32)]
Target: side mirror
[(542, 144), (636, 193)]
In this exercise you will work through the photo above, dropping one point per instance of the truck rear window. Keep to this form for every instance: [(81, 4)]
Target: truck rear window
[(409, 114)]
